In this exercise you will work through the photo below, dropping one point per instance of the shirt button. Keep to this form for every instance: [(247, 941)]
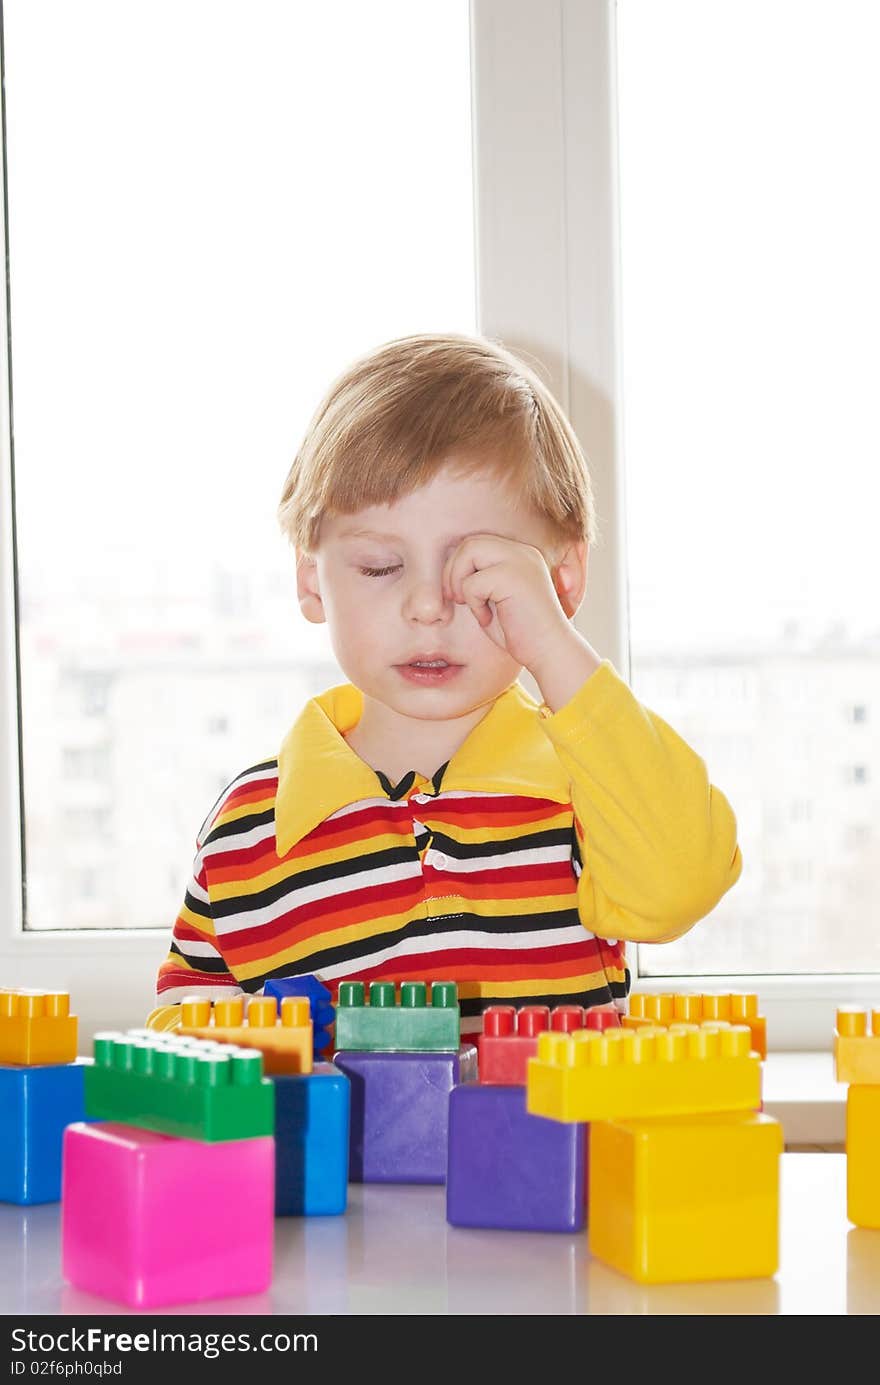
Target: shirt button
[(439, 861), (420, 797)]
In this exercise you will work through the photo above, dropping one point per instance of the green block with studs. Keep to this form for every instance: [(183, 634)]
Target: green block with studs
[(385, 1026), (179, 1086)]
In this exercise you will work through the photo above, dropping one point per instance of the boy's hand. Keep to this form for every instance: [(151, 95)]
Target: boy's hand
[(510, 591)]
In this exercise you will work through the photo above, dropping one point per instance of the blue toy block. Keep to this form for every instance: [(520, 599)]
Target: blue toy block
[(512, 1170), (36, 1103), (322, 1011), (400, 1112), (311, 1142)]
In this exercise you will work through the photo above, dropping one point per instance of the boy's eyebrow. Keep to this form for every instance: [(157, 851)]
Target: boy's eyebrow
[(394, 538)]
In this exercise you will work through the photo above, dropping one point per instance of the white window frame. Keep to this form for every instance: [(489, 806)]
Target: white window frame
[(546, 198)]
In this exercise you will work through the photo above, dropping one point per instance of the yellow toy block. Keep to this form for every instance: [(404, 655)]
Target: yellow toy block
[(686, 1198), (673, 1007), (856, 1047), (285, 1041), (863, 1154), (164, 1019), (626, 1073), (36, 1028)]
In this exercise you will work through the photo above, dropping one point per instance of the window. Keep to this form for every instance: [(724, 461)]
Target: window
[(741, 589), (751, 292), (209, 217)]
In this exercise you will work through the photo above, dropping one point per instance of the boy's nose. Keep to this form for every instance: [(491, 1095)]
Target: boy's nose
[(425, 600)]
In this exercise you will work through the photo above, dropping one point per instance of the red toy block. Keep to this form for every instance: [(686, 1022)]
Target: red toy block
[(510, 1037)]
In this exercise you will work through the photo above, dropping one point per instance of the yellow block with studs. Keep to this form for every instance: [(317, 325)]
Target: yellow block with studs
[(284, 1040), (36, 1028), (857, 1045), (673, 1007), (632, 1073)]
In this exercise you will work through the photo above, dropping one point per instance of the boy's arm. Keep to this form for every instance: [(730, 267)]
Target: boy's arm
[(658, 841), (195, 964)]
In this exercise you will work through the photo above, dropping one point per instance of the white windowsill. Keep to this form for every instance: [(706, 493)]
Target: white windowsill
[(800, 1091)]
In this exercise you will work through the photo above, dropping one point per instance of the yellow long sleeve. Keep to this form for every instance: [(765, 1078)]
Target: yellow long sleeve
[(658, 841)]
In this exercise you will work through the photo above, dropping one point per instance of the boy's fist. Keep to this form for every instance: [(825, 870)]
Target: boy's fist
[(510, 590)]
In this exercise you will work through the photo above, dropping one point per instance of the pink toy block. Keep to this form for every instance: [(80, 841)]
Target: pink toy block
[(145, 1218)]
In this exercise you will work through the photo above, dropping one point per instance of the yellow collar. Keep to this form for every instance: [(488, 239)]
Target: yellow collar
[(318, 772)]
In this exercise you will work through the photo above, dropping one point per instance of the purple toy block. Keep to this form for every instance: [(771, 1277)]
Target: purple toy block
[(400, 1112), (511, 1170), (150, 1219)]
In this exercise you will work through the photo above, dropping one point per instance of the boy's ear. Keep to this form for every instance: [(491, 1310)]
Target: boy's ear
[(307, 588), (570, 576)]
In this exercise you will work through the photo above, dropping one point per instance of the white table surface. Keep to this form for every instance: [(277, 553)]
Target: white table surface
[(393, 1253)]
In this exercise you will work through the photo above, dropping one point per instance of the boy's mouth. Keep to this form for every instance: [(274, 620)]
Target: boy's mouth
[(429, 669), (429, 661)]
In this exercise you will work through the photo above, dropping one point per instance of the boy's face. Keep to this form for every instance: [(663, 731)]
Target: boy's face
[(376, 579)]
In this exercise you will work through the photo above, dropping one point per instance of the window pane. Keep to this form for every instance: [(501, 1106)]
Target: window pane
[(751, 296), (212, 211)]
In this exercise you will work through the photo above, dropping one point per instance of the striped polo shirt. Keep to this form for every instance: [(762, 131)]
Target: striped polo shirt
[(518, 870)]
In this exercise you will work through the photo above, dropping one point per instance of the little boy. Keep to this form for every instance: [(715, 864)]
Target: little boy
[(428, 819)]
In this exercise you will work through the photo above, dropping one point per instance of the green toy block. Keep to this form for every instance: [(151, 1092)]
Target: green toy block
[(180, 1086), (384, 1026)]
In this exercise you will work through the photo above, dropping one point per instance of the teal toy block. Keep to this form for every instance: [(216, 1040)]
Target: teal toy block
[(384, 1026), (190, 1087)]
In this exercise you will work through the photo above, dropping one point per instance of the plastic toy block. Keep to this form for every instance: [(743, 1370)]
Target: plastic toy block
[(150, 1220), (510, 1170), (384, 1026), (36, 1027), (863, 1154), (857, 1045), (320, 1002), (672, 1007), (284, 1040), (687, 1197), (165, 1019), (312, 1125), (400, 1112), (168, 1017), (36, 1103), (510, 1036), (627, 1073), (180, 1086)]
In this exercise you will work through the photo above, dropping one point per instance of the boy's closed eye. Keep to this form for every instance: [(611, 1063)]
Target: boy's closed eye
[(379, 569)]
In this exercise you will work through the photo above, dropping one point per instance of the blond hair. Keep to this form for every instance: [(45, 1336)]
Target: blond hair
[(389, 421)]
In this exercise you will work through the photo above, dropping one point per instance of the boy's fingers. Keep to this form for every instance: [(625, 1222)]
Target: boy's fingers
[(482, 608)]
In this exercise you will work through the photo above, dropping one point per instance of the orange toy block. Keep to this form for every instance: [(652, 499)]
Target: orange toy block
[(857, 1046), (285, 1041), (36, 1028), (673, 1007)]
